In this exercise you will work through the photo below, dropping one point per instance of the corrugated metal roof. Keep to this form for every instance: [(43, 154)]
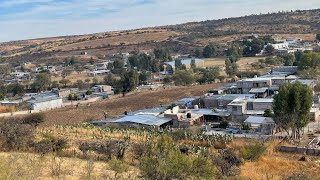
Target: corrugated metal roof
[(149, 120), (258, 120), (258, 90), (43, 100)]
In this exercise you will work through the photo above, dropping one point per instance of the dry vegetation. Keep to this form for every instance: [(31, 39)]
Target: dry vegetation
[(32, 166), (7, 109), (126, 39)]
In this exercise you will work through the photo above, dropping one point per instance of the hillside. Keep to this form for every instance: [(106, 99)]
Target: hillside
[(183, 38)]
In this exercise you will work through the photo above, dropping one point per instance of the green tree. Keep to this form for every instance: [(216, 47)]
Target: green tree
[(129, 81), (291, 107), (16, 89), (64, 82), (268, 113), (269, 49), (231, 67), (184, 77), (178, 64), (197, 53), (42, 82), (118, 64), (234, 53), (210, 51), (318, 37), (193, 63), (144, 76)]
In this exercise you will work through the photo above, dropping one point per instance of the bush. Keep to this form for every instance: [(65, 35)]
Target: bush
[(50, 144), (252, 152), (34, 119), (15, 136), (118, 167), (163, 160), (223, 124), (227, 162)]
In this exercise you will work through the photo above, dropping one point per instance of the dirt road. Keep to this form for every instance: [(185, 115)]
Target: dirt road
[(116, 107)]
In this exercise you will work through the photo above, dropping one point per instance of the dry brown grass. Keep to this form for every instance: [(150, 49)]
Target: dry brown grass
[(277, 165), (30, 166), (126, 38), (6, 109), (309, 37), (74, 77)]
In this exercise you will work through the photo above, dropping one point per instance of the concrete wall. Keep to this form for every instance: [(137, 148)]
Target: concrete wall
[(300, 150), (47, 105)]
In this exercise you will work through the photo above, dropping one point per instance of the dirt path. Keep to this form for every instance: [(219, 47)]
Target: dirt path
[(116, 107)]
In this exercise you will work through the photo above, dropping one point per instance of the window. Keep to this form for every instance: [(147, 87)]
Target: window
[(234, 108)]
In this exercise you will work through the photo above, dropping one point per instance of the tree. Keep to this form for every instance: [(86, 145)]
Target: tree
[(16, 89), (143, 77), (318, 37), (193, 63), (209, 51), (178, 64), (231, 67), (34, 119), (79, 84), (184, 77), (64, 82), (269, 49), (55, 84), (291, 107), (234, 53), (197, 53), (129, 81), (42, 82), (268, 113), (118, 64), (91, 61), (95, 81)]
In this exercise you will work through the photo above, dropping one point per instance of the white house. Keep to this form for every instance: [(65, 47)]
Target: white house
[(43, 104)]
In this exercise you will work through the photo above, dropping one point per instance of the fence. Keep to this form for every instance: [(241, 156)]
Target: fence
[(300, 150)]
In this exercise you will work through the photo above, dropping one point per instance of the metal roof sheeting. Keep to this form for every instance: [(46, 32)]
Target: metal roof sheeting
[(259, 120), (145, 119)]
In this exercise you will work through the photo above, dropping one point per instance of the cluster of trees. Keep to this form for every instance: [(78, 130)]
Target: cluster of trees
[(291, 108), (233, 55), (144, 62), (253, 45)]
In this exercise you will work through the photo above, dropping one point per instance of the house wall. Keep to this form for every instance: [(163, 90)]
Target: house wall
[(214, 103), (261, 105), (240, 109), (46, 105)]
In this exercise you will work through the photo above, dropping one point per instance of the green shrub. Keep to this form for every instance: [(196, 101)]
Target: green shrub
[(252, 152)]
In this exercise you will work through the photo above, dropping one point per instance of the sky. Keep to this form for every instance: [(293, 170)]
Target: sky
[(26, 19)]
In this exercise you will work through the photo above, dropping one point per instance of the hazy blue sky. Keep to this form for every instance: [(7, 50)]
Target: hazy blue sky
[(24, 19)]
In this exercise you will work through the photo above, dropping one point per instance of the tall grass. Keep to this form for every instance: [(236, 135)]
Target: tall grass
[(7, 109)]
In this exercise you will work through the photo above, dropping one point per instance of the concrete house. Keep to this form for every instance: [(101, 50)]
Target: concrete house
[(45, 103), (245, 85), (262, 125)]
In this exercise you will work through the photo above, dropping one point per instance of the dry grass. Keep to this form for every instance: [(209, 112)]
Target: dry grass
[(31, 166), (6, 109), (277, 165), (309, 37), (126, 38), (74, 77)]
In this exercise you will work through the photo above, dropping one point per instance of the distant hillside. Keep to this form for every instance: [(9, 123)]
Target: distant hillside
[(181, 38)]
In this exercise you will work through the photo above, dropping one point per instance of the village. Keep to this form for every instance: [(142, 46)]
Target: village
[(241, 106)]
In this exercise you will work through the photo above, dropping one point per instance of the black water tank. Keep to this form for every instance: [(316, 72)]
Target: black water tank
[(188, 115)]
